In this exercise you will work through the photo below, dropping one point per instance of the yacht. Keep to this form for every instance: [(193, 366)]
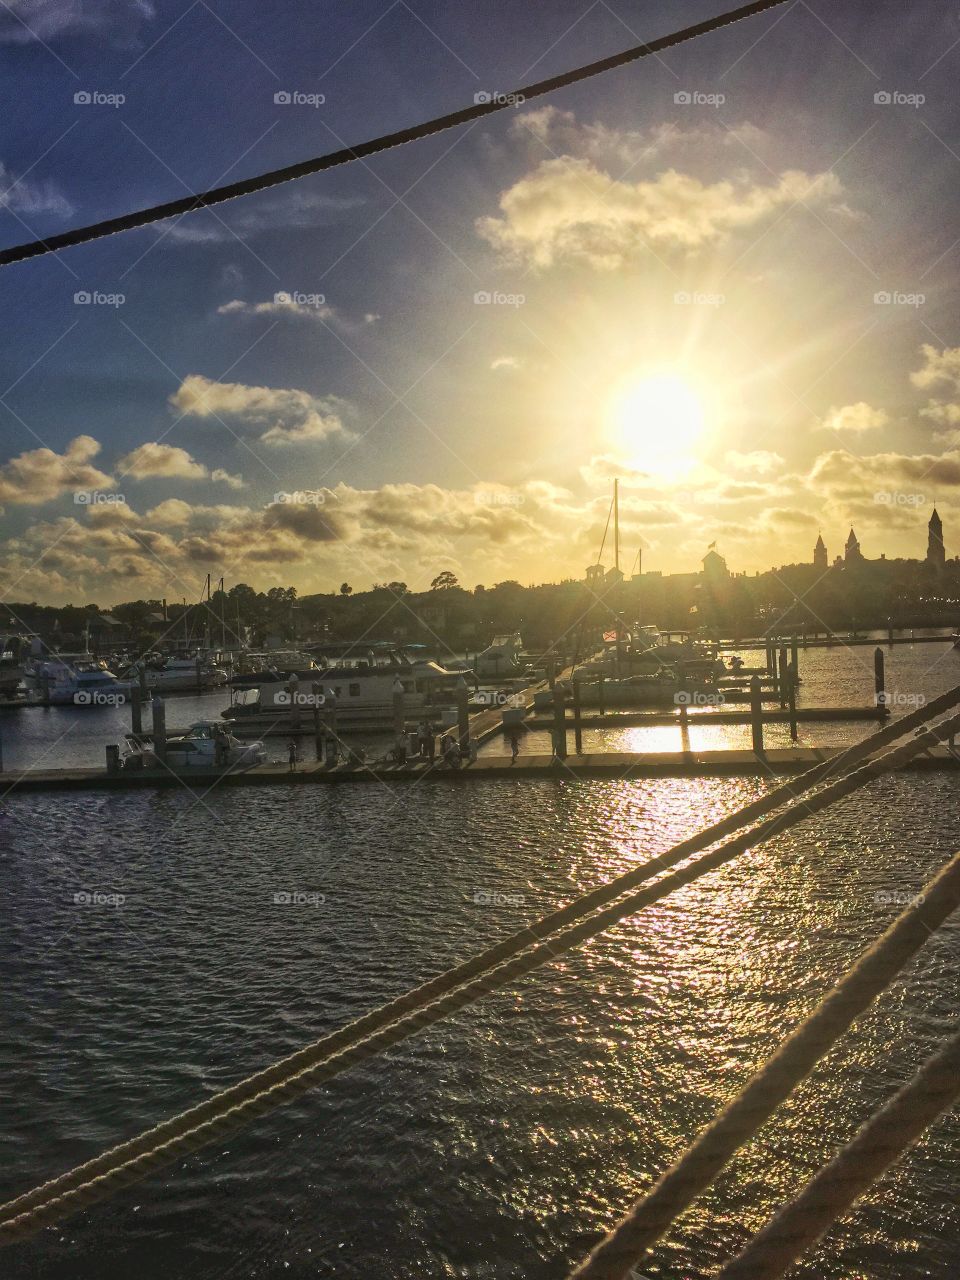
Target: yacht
[(502, 658), (182, 673), (360, 687), (78, 683), (195, 749), (274, 664)]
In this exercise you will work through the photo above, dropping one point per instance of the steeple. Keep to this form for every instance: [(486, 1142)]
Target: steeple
[(851, 551), (936, 554), (820, 553)]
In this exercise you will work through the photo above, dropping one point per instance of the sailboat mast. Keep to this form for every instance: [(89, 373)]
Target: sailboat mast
[(616, 524)]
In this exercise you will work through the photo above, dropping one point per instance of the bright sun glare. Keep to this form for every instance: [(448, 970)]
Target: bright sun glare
[(658, 421)]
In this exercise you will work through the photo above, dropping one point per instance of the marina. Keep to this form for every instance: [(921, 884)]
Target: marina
[(479, 762)]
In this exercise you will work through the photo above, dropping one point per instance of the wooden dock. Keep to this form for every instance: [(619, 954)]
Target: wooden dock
[(615, 765)]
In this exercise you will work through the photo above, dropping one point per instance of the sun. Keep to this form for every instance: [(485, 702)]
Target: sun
[(657, 422)]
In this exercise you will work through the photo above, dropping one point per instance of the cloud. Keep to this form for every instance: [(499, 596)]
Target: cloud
[(511, 363), (855, 418), (40, 475), (155, 459), (281, 416), (569, 210), (761, 461), (29, 21), (294, 209), (20, 195), (283, 305), (939, 368)]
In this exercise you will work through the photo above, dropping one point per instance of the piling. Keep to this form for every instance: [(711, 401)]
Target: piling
[(551, 673), (600, 694), (399, 716), (792, 702), (136, 710), (577, 723), (794, 654), (463, 713), (113, 758), (560, 723), (159, 712), (333, 740), (879, 681), (1, 744), (199, 666), (293, 689), (142, 683), (783, 678), (316, 691), (756, 715)]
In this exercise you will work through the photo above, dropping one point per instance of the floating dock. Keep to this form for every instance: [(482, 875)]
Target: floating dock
[(615, 765)]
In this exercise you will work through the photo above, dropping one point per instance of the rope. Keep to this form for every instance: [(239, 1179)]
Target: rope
[(474, 967), (248, 186), (650, 1217), (880, 1142), (255, 1096)]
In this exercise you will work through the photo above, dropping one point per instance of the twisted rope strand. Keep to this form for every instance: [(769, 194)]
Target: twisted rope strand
[(879, 1143)]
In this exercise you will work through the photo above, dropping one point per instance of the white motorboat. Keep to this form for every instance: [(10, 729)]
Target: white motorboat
[(78, 683), (206, 745), (183, 673), (501, 658)]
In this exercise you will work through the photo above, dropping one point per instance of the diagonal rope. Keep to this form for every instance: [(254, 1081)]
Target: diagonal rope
[(499, 102), (81, 1188), (676, 1189), (878, 1144), (476, 965)]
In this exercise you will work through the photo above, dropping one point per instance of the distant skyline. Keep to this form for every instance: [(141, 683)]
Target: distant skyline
[(727, 275)]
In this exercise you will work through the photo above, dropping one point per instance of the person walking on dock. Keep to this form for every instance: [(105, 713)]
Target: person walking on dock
[(400, 749), (293, 754), (514, 739)]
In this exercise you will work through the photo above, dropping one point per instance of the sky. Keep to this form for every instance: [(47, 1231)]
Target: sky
[(727, 275)]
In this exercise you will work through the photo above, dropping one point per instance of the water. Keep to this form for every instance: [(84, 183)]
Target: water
[(500, 1143)]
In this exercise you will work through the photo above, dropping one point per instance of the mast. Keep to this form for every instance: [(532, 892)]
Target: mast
[(616, 524)]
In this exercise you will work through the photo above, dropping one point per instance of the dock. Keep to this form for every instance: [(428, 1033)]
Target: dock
[(615, 765)]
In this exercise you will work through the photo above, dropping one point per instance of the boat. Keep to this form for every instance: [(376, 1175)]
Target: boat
[(182, 673), (195, 749), (15, 653), (360, 690), (501, 658), (79, 683), (273, 664)]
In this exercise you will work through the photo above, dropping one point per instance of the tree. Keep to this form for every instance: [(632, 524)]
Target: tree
[(398, 588), (444, 581), (345, 588)]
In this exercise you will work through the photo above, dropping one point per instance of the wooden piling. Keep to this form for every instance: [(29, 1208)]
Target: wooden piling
[(463, 713), (577, 721), (142, 683), (159, 712), (792, 702), (136, 710), (399, 715), (879, 681), (783, 677), (756, 716), (316, 691), (113, 758), (199, 665), (560, 722), (600, 694), (794, 654)]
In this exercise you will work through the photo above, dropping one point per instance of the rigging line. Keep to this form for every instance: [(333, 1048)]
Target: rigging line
[(513, 944), (693, 1173), (289, 173), (186, 1135), (880, 1142)]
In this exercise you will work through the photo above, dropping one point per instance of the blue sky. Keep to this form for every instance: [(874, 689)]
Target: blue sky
[(407, 428)]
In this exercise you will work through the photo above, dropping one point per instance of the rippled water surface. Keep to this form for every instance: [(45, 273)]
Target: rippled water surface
[(501, 1142)]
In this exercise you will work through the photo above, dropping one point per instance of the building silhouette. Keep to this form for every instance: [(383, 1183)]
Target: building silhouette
[(820, 553), (936, 555), (851, 551)]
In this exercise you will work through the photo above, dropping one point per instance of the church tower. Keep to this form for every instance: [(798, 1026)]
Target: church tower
[(820, 553), (851, 552), (936, 555)]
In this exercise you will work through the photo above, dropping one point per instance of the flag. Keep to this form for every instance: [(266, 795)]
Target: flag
[(711, 546)]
